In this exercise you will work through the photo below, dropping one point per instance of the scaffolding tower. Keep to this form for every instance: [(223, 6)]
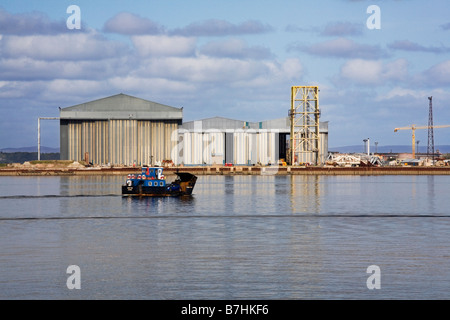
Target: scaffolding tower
[(304, 118)]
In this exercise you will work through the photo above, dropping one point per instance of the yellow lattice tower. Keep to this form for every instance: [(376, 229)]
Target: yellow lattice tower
[(304, 116)]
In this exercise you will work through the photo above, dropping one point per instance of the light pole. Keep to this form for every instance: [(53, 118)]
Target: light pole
[(39, 133)]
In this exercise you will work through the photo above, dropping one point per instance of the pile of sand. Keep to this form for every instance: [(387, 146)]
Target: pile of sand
[(47, 164)]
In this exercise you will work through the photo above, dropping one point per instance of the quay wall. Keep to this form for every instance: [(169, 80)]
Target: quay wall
[(274, 170)]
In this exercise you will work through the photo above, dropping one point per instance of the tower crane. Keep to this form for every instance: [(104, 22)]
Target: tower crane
[(413, 128)]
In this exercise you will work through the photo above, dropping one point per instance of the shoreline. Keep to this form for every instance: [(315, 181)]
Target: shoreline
[(274, 170)]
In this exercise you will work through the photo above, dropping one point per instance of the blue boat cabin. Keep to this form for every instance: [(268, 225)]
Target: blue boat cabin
[(150, 177)]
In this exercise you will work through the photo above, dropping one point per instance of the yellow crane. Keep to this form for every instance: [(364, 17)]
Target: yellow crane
[(413, 128)]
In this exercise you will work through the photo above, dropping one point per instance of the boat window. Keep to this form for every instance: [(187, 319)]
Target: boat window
[(161, 183), (156, 184)]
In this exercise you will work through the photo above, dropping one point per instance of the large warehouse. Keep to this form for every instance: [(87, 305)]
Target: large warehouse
[(220, 140), (119, 130), (125, 130)]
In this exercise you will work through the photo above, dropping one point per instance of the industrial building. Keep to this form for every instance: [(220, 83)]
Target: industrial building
[(221, 140), (125, 130), (118, 130)]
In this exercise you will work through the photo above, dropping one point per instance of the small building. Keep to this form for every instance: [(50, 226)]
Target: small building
[(119, 130)]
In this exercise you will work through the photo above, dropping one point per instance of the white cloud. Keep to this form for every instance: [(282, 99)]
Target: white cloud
[(19, 89), (235, 48), (27, 69), (69, 46), (163, 45), (216, 27), (343, 29), (438, 74), (29, 23), (273, 74), (374, 72), (131, 24), (153, 86), (399, 92), (202, 69), (415, 98), (58, 90), (291, 69)]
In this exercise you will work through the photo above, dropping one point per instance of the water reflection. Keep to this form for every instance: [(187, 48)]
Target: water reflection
[(90, 185), (219, 194), (305, 193), (431, 193), (229, 183), (159, 206)]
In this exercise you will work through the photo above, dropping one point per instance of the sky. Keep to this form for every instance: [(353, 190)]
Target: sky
[(236, 59)]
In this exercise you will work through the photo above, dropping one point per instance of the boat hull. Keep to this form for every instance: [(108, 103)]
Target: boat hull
[(144, 191)]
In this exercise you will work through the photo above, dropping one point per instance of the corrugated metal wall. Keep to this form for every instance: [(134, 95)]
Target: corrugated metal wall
[(197, 148), (267, 153), (240, 147), (88, 136), (121, 142), (310, 157), (241, 143), (214, 147)]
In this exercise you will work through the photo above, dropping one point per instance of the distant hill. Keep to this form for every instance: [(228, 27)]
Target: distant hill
[(20, 155), (387, 149), (30, 149)]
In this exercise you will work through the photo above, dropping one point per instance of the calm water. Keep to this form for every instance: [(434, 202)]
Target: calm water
[(243, 237)]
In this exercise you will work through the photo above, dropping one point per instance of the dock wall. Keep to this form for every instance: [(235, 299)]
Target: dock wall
[(235, 171)]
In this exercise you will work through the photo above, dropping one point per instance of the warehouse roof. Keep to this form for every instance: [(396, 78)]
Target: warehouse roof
[(219, 123), (121, 106)]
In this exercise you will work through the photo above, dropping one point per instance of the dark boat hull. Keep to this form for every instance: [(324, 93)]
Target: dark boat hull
[(153, 191)]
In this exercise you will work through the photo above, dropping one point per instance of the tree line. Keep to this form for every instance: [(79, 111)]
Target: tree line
[(21, 157)]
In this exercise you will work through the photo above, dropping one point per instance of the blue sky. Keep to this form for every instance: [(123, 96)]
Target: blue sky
[(235, 59)]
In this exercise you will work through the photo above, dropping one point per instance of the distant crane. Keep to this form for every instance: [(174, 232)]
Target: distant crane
[(413, 128), (430, 148)]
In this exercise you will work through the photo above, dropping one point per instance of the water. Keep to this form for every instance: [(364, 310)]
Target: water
[(242, 237)]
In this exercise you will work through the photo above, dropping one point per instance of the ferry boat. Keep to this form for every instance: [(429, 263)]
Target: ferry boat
[(151, 182)]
